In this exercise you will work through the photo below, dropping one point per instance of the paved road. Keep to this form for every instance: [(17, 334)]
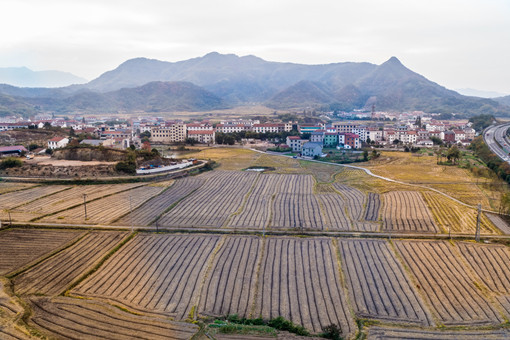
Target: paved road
[(495, 138)]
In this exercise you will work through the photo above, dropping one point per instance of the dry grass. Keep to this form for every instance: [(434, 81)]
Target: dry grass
[(423, 170), (228, 158)]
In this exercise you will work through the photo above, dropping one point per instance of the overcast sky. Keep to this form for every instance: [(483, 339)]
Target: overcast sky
[(456, 43)]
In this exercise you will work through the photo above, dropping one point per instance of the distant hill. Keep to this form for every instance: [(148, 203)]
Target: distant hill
[(479, 93), (24, 77), (225, 80), (152, 97), (503, 100)]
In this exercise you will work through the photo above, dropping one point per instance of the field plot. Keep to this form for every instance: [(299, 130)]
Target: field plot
[(53, 275), (68, 198), (380, 333), (256, 211), (13, 199), (299, 280), (334, 212), (296, 211), (378, 285), (446, 284), (108, 209), (19, 247), (159, 274), (230, 286), (212, 203), (81, 319), (373, 206), (499, 223), (490, 263), (406, 211), (354, 198), (6, 187), (461, 219), (152, 209)]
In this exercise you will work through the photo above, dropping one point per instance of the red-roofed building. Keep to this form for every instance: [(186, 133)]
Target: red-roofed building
[(350, 139), (267, 128), (230, 128), (202, 136)]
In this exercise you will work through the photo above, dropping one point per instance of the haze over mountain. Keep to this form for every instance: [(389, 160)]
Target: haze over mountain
[(218, 80), (480, 93), (24, 77)]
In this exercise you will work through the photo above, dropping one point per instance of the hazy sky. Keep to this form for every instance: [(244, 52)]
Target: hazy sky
[(456, 43)]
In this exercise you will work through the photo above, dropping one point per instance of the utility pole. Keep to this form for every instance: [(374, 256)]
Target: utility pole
[(477, 234), (10, 220), (85, 205)]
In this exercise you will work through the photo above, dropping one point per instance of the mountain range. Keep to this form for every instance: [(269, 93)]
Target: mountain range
[(25, 77), (217, 81)]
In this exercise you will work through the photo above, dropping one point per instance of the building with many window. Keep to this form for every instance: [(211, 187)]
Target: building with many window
[(168, 133), (202, 136)]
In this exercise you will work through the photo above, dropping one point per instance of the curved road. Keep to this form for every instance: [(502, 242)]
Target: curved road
[(495, 137)]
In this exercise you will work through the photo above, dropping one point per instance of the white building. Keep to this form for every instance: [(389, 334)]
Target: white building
[(58, 142), (202, 136)]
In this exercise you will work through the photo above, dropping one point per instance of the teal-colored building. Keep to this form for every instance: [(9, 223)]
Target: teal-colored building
[(330, 140)]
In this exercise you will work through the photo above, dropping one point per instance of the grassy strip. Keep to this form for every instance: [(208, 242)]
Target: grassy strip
[(99, 264), (44, 258), (80, 204)]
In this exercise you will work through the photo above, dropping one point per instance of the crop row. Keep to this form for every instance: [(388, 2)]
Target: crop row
[(153, 208), (19, 247), (406, 211), (14, 199), (53, 275), (108, 209), (212, 203), (79, 319), (457, 217)]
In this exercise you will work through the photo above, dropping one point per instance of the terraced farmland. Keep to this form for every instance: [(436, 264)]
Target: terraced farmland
[(380, 333), (68, 198), (459, 218), (53, 275), (446, 284), (153, 208), (334, 212), (378, 285), (80, 319), (19, 247), (14, 199), (406, 211), (299, 280), (373, 206), (154, 273), (298, 211), (230, 286), (256, 210), (354, 199), (6, 187), (108, 209), (212, 203)]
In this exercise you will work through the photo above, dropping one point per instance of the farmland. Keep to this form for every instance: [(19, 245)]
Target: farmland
[(56, 273), (299, 280), (448, 286), (325, 257), (80, 319), (209, 206), (154, 274), (21, 247), (406, 211), (382, 289)]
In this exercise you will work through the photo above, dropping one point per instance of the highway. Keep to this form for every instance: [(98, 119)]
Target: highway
[(495, 137)]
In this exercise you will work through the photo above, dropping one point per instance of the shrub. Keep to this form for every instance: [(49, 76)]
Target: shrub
[(126, 167), (332, 331), (11, 162)]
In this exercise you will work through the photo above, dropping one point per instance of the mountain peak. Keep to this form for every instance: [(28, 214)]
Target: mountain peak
[(393, 61)]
